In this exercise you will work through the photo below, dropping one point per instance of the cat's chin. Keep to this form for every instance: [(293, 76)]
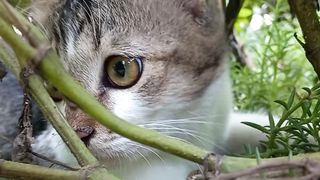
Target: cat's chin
[(116, 150), (111, 149)]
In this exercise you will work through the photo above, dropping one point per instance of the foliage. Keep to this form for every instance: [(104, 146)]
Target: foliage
[(280, 71), (297, 130), (267, 32)]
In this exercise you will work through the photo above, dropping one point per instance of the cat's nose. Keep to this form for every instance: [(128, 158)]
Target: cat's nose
[(85, 132)]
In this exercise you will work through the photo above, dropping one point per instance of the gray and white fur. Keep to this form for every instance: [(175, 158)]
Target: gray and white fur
[(184, 90)]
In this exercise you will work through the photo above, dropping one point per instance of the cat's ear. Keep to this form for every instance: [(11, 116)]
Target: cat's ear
[(203, 10), (42, 11)]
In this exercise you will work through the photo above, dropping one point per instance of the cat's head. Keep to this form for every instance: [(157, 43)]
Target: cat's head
[(150, 62)]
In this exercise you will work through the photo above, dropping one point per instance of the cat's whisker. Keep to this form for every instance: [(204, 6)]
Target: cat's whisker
[(181, 119), (118, 158), (148, 149), (178, 131), (147, 161), (172, 133), (189, 134), (178, 128), (128, 154), (173, 122), (195, 134), (206, 116), (204, 142), (198, 119), (200, 168), (180, 122)]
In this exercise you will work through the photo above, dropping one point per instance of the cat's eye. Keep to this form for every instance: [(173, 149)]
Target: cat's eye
[(123, 72)]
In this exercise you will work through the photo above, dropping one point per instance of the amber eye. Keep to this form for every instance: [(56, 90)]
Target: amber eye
[(123, 72)]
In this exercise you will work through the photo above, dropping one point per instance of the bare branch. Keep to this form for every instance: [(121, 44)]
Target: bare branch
[(232, 11)]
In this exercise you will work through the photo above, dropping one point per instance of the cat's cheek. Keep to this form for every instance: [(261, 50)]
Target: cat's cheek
[(128, 105)]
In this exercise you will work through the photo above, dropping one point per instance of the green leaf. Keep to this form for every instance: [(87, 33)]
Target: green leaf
[(306, 108), (307, 130), (283, 143), (316, 86), (282, 103), (308, 90), (291, 98), (256, 126), (317, 107), (245, 13), (316, 93), (271, 120), (263, 144), (310, 145), (300, 135)]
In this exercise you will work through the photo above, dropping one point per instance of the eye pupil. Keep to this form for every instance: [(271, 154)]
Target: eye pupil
[(120, 68)]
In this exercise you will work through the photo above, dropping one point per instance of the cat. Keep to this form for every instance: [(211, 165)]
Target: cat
[(159, 64)]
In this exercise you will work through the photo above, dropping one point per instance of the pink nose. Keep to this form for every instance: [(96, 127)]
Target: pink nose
[(85, 132)]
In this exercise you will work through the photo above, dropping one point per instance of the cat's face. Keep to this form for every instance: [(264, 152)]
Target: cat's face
[(149, 62)]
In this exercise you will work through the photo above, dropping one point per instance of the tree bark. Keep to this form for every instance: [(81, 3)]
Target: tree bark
[(306, 12)]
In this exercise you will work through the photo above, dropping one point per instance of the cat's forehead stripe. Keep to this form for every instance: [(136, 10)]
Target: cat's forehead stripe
[(75, 16)]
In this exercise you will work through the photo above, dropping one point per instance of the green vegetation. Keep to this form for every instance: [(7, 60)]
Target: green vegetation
[(279, 61), (274, 83)]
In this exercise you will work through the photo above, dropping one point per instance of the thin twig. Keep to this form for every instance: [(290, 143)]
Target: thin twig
[(22, 143), (54, 161), (5, 138), (232, 11)]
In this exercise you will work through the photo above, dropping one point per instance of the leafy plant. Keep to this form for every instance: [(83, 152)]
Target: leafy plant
[(297, 130), (279, 61), (280, 71)]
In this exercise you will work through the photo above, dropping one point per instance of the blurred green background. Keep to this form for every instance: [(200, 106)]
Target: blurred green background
[(265, 29)]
